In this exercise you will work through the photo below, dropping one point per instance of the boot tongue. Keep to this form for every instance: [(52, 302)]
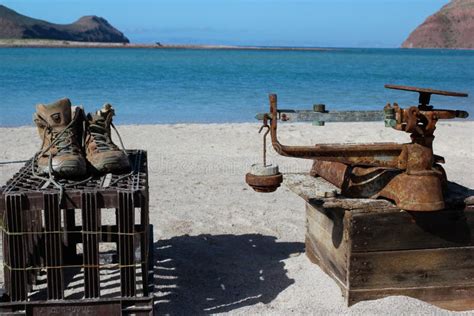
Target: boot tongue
[(103, 117), (57, 114)]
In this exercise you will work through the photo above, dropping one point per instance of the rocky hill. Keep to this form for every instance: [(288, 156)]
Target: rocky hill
[(450, 27), (87, 29)]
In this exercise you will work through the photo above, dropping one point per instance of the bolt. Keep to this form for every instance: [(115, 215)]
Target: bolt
[(330, 194)]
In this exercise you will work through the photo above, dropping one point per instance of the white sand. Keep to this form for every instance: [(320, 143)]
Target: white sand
[(220, 246)]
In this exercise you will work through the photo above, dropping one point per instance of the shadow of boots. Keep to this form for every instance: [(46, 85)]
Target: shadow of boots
[(218, 273)]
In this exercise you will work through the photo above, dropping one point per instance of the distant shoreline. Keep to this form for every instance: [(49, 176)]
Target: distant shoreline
[(26, 43), (38, 43)]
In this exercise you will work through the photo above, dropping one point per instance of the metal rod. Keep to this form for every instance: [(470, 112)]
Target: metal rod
[(333, 116), (13, 161), (265, 124), (265, 150), (377, 154)]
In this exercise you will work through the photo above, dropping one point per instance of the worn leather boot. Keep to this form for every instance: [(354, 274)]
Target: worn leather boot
[(60, 129), (101, 151)]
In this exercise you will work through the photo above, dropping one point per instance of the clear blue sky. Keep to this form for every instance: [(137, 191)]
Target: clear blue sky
[(334, 23)]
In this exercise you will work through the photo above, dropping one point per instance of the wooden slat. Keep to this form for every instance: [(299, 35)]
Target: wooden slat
[(314, 255), (454, 298), (331, 221), (412, 230), (412, 268), (325, 240)]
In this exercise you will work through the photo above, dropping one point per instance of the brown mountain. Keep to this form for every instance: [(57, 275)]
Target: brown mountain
[(87, 29), (450, 27)]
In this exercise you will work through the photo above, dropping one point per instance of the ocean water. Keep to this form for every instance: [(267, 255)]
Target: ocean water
[(214, 86)]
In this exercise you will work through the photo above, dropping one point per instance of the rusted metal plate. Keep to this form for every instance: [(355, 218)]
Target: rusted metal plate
[(426, 90), (314, 190)]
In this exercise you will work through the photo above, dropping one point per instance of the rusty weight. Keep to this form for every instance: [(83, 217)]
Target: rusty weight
[(264, 184)]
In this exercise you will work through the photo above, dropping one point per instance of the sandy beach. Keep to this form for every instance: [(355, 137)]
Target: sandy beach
[(222, 248)]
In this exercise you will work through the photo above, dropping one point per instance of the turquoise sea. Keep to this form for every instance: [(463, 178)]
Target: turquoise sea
[(213, 86)]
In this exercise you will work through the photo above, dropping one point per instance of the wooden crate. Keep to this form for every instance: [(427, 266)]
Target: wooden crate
[(372, 249)]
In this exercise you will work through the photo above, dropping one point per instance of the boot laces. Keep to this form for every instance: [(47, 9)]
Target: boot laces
[(63, 140), (100, 132)]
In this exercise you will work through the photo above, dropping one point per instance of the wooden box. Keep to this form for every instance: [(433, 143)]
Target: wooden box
[(372, 249)]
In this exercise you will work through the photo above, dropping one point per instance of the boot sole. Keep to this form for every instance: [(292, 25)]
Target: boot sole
[(113, 165), (67, 169)]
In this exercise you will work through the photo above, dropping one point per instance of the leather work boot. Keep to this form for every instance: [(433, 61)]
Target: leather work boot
[(60, 129), (101, 151)]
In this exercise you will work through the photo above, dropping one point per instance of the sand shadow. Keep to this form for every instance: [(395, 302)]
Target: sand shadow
[(218, 273)]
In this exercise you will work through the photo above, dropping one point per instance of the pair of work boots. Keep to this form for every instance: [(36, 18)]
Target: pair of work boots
[(69, 137)]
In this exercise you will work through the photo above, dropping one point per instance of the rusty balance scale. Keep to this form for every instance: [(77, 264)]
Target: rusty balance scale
[(408, 174)]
